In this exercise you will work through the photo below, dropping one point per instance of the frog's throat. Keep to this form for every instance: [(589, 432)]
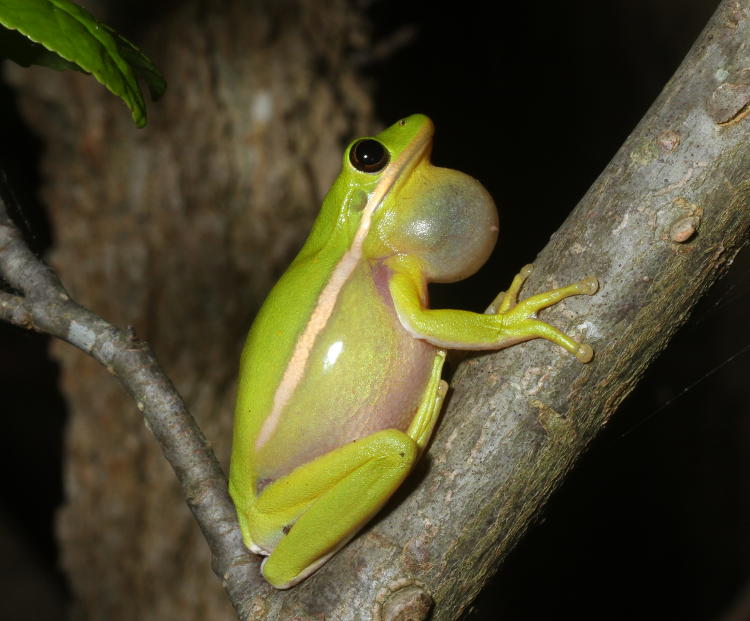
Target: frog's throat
[(294, 371)]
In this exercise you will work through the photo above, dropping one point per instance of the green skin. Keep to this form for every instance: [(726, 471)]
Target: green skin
[(339, 386)]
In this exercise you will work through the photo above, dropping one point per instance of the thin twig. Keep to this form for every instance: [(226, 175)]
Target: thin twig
[(46, 307)]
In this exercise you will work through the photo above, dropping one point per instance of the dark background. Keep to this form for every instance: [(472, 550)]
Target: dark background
[(533, 101)]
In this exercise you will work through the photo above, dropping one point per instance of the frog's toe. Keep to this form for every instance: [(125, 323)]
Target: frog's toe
[(584, 353), (526, 270), (589, 285)]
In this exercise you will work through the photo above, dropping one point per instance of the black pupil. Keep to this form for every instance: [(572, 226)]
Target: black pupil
[(368, 155)]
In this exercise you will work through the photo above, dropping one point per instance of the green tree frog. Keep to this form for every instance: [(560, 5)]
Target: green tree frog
[(339, 386)]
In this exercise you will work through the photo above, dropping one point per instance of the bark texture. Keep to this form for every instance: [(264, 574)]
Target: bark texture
[(178, 231), (663, 221)]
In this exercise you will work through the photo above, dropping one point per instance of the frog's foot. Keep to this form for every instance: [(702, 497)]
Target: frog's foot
[(242, 518), (255, 549), (519, 318), (505, 300)]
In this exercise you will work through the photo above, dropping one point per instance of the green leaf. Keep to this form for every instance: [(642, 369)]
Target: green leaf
[(75, 35), (23, 51), (144, 68)]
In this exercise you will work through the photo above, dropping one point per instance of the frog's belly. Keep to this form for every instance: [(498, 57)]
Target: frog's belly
[(363, 373)]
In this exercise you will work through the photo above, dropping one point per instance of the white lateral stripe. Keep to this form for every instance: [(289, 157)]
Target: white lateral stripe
[(328, 297)]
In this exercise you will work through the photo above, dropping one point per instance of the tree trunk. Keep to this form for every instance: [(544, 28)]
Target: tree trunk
[(179, 230)]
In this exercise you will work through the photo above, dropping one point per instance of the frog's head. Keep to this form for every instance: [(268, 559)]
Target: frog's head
[(441, 216), (390, 200)]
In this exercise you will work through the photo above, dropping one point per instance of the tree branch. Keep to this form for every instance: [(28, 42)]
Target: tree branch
[(663, 221), (15, 310), (46, 307)]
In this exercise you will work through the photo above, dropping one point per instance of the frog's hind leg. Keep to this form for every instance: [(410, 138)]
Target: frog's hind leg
[(325, 502), (333, 497)]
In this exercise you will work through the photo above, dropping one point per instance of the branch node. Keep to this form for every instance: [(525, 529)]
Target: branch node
[(132, 337), (684, 228), (403, 600)]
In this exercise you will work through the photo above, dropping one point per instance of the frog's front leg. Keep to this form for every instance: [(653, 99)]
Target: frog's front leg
[(307, 516), (521, 316), (424, 421), (506, 322)]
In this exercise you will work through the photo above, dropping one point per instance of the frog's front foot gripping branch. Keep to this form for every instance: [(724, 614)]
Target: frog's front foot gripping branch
[(519, 318)]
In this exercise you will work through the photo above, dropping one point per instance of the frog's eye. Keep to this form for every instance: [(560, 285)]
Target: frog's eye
[(368, 155)]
